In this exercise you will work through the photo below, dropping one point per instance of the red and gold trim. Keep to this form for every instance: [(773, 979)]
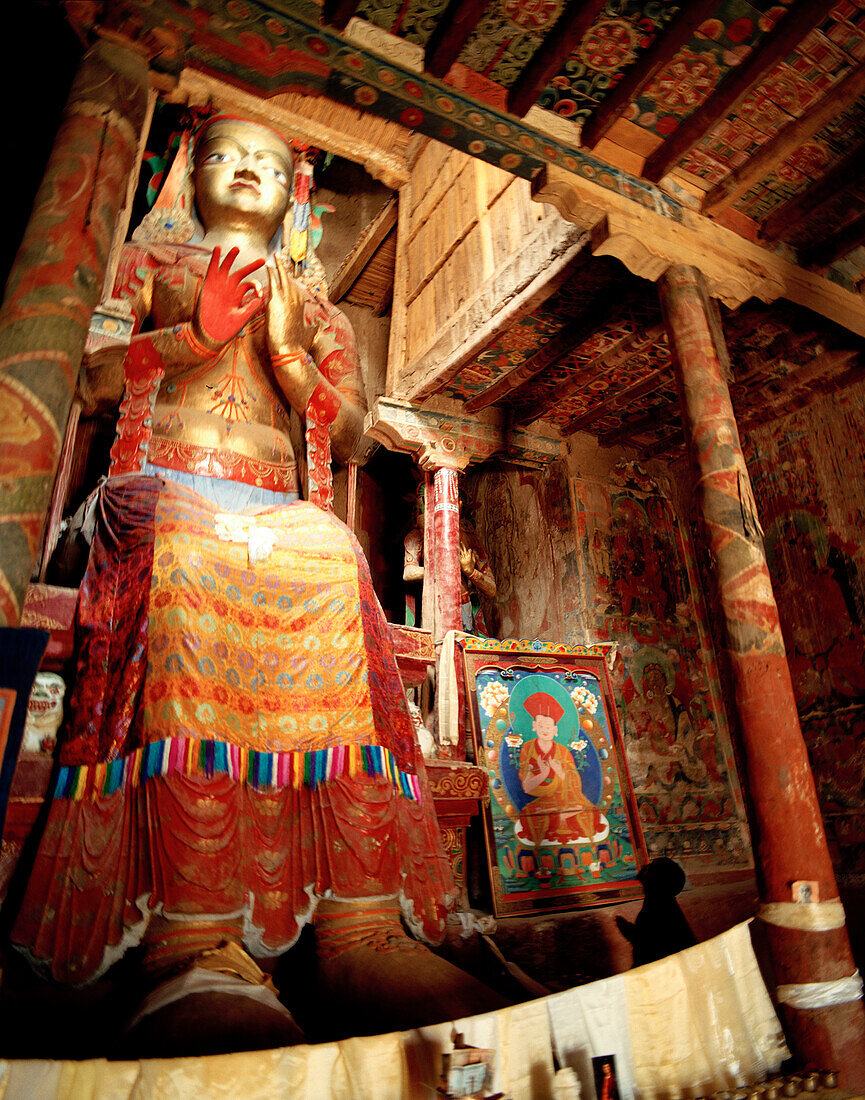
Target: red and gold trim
[(191, 458)]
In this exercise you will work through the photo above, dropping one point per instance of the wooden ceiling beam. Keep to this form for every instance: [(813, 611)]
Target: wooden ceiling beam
[(617, 401), (604, 365), (787, 218), (851, 236), (667, 44), (367, 244), (336, 13), (634, 427), (780, 43), (786, 141), (454, 27), (548, 59)]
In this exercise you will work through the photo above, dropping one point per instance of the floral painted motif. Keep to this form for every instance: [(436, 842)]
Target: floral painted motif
[(686, 82), (609, 45), (532, 15)]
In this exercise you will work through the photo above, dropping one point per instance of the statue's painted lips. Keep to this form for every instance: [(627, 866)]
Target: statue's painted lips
[(246, 184)]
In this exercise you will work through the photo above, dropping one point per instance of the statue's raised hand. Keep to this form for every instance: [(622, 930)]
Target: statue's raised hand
[(226, 302), (287, 329)]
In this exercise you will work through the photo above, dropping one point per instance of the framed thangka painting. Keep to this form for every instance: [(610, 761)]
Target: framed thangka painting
[(561, 828)]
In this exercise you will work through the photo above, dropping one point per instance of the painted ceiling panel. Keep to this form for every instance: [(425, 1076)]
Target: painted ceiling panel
[(684, 84), (507, 36), (616, 381), (294, 46), (793, 87), (615, 40), (413, 21), (807, 163)]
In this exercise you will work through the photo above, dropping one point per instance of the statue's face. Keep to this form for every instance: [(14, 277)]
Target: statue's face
[(242, 177)]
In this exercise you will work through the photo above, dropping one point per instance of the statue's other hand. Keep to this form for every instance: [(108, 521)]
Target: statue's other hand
[(467, 560), (287, 328), (226, 302)]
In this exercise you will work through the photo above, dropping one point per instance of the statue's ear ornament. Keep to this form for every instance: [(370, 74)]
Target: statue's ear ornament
[(297, 248), (170, 219)]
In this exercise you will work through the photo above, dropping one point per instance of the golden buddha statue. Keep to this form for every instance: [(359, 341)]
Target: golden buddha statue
[(239, 758), (239, 337)]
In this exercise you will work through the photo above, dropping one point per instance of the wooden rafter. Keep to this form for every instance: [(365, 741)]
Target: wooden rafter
[(786, 141), (667, 43), (453, 29), (780, 43), (370, 239), (556, 48), (615, 402), (786, 219), (546, 356), (336, 13), (839, 244), (638, 426), (609, 361)]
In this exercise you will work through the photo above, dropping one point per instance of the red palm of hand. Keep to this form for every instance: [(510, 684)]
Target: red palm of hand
[(226, 302)]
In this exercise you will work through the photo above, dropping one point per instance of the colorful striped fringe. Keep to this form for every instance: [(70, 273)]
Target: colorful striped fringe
[(261, 770)]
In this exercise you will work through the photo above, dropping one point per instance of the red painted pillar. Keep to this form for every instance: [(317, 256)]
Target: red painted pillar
[(809, 942), (428, 606), (446, 551), (52, 291)]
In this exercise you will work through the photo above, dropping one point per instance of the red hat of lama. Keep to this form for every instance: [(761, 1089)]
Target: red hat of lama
[(543, 704)]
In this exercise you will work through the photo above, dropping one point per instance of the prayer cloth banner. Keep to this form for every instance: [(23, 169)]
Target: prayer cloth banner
[(239, 743), (688, 1025)]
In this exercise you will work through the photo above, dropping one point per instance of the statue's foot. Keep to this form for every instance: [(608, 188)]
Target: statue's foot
[(221, 1002), (374, 978)]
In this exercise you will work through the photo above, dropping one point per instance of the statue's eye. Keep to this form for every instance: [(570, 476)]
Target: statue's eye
[(277, 173), (217, 158)]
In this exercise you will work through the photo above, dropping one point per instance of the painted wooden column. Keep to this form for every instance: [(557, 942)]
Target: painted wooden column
[(428, 594), (53, 288), (446, 550), (808, 939)]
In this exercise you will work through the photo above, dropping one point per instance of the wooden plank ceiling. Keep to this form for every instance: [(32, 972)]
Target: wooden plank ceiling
[(746, 105), (605, 367), (754, 110)]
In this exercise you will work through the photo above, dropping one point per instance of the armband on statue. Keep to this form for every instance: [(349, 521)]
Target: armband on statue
[(185, 334)]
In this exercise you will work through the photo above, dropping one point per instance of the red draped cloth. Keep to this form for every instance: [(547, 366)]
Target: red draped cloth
[(239, 743)]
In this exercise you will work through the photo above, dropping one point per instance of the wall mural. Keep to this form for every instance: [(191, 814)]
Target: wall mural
[(640, 590), (612, 564), (806, 470)]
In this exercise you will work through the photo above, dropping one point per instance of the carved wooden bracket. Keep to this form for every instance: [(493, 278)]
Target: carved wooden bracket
[(648, 242), (444, 438)]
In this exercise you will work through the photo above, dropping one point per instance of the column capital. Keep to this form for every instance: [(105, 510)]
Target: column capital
[(649, 237), (444, 438)]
